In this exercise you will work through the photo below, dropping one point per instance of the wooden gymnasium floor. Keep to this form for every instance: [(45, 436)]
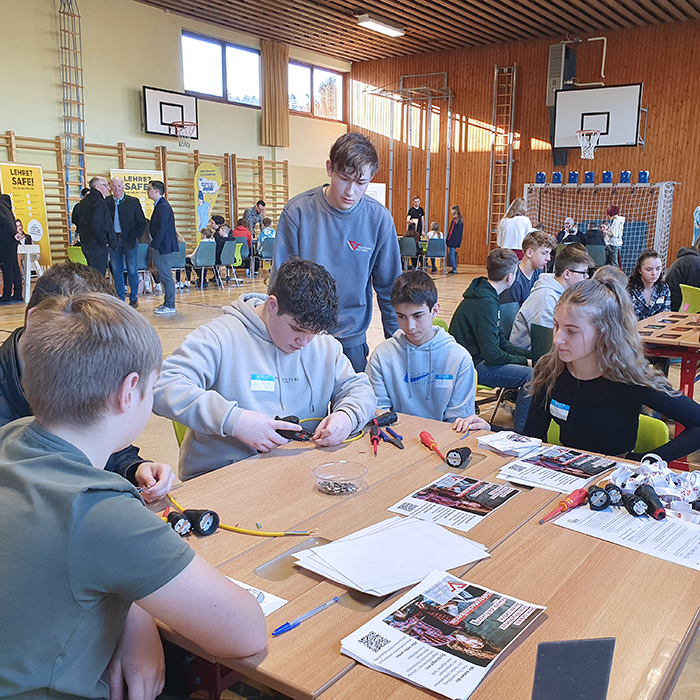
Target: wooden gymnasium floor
[(196, 307)]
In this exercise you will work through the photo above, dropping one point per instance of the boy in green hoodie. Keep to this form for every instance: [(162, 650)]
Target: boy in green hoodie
[(476, 326)]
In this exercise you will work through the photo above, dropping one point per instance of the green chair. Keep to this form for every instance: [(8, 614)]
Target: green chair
[(652, 433), (690, 302), (180, 431), (509, 311), (442, 323), (597, 253), (541, 338), (76, 255)]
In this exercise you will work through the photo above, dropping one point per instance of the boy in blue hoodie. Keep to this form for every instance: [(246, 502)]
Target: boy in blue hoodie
[(265, 356), (422, 370)]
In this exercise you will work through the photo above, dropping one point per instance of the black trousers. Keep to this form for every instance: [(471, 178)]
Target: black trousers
[(12, 278), (97, 257)]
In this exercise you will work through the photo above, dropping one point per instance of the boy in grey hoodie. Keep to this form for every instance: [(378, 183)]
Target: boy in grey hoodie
[(422, 370), (570, 266), (266, 356)]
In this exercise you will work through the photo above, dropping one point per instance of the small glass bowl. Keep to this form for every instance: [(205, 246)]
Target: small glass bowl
[(339, 478)]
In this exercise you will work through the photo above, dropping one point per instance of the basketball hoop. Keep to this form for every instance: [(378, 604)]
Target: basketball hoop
[(588, 140), (184, 132)]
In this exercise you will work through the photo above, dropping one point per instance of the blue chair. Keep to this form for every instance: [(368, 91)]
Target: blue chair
[(228, 259), (266, 250), (597, 253), (408, 249), (179, 261), (142, 257), (437, 248), (509, 311), (541, 341), (204, 258)]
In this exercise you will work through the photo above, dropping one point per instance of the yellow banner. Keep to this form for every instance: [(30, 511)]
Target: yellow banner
[(25, 185), (207, 183), (135, 184)]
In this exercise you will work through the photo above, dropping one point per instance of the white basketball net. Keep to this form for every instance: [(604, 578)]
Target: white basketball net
[(184, 132), (588, 140)]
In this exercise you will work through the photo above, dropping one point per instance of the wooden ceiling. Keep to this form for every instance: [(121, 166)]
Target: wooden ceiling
[(330, 26)]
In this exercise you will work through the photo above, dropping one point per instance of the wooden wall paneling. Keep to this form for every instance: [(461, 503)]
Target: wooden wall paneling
[(664, 57)]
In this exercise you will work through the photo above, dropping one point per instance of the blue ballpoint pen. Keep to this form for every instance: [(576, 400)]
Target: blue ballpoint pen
[(295, 623)]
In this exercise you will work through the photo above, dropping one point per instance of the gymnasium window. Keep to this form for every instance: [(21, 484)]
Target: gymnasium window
[(315, 91), (209, 64)]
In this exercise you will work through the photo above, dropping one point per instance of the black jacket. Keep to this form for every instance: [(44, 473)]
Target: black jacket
[(8, 242), (14, 405), (684, 270), (94, 223), (131, 219), (162, 228)]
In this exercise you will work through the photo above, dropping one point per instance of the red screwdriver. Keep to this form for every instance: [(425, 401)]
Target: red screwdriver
[(427, 439), (374, 436), (573, 500)]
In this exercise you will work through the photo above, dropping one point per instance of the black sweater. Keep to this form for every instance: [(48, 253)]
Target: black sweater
[(603, 416)]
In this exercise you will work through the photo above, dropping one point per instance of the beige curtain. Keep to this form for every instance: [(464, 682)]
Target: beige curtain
[(275, 100)]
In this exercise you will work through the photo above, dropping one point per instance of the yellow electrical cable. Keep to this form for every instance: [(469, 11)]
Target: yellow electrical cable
[(243, 531)]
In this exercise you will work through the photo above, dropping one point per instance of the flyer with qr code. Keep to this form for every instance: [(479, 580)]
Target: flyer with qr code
[(559, 469), (455, 501), (444, 634)]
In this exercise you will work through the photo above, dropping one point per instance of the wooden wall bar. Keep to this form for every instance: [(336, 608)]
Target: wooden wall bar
[(665, 58)]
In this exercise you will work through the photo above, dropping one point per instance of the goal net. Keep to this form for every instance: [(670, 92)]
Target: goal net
[(646, 208)]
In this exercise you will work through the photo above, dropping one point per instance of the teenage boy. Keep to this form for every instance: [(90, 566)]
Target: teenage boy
[(266, 356), (352, 235), (537, 251), (417, 215), (62, 280), (570, 266), (422, 370), (475, 325), (85, 566), (164, 244)]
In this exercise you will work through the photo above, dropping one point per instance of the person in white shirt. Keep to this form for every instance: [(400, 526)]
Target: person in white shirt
[(514, 226)]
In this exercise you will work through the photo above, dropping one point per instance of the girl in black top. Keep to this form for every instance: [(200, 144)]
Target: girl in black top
[(595, 379)]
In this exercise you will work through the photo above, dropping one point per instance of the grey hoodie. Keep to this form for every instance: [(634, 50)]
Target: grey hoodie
[(435, 380), (230, 365), (538, 308)]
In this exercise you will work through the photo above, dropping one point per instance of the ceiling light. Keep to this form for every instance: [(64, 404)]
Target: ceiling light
[(380, 25)]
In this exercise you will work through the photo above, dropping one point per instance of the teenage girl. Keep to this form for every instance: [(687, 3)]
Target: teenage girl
[(650, 293), (514, 226), (454, 238)]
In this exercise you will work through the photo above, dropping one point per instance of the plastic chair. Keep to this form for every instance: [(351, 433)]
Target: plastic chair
[(180, 431), (652, 433), (408, 249), (436, 249), (179, 261), (228, 258), (244, 253), (541, 341), (142, 257), (266, 250), (690, 302), (597, 253), (442, 323), (204, 258), (76, 255), (508, 313)]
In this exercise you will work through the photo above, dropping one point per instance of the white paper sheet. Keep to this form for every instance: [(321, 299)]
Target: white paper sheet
[(671, 539), (455, 501), (443, 635), (268, 602)]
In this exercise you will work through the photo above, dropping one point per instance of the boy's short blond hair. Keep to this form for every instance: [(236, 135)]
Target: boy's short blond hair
[(77, 350), (538, 239)]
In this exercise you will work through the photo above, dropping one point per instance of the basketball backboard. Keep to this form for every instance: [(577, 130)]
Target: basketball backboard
[(614, 111), (163, 107)]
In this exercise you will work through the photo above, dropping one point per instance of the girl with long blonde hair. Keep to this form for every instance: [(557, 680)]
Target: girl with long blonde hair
[(514, 226), (595, 380)]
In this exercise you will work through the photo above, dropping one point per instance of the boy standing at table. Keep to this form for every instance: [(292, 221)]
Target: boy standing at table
[(265, 356), (422, 370), (85, 566), (352, 235)]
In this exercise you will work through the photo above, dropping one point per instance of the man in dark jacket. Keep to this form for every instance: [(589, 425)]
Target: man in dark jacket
[(129, 224), (684, 270), (11, 275), (95, 225), (61, 280), (475, 325), (163, 243)]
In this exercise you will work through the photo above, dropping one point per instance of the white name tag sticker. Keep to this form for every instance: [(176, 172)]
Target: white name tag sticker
[(559, 410), (443, 381), (262, 382)]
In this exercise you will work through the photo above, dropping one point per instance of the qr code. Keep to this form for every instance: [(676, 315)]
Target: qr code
[(516, 468), (374, 642), (408, 507)]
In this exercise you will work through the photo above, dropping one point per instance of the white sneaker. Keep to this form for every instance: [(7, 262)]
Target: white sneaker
[(158, 289), (164, 310)]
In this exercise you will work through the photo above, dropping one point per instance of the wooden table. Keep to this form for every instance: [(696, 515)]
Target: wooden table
[(679, 336), (280, 493)]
